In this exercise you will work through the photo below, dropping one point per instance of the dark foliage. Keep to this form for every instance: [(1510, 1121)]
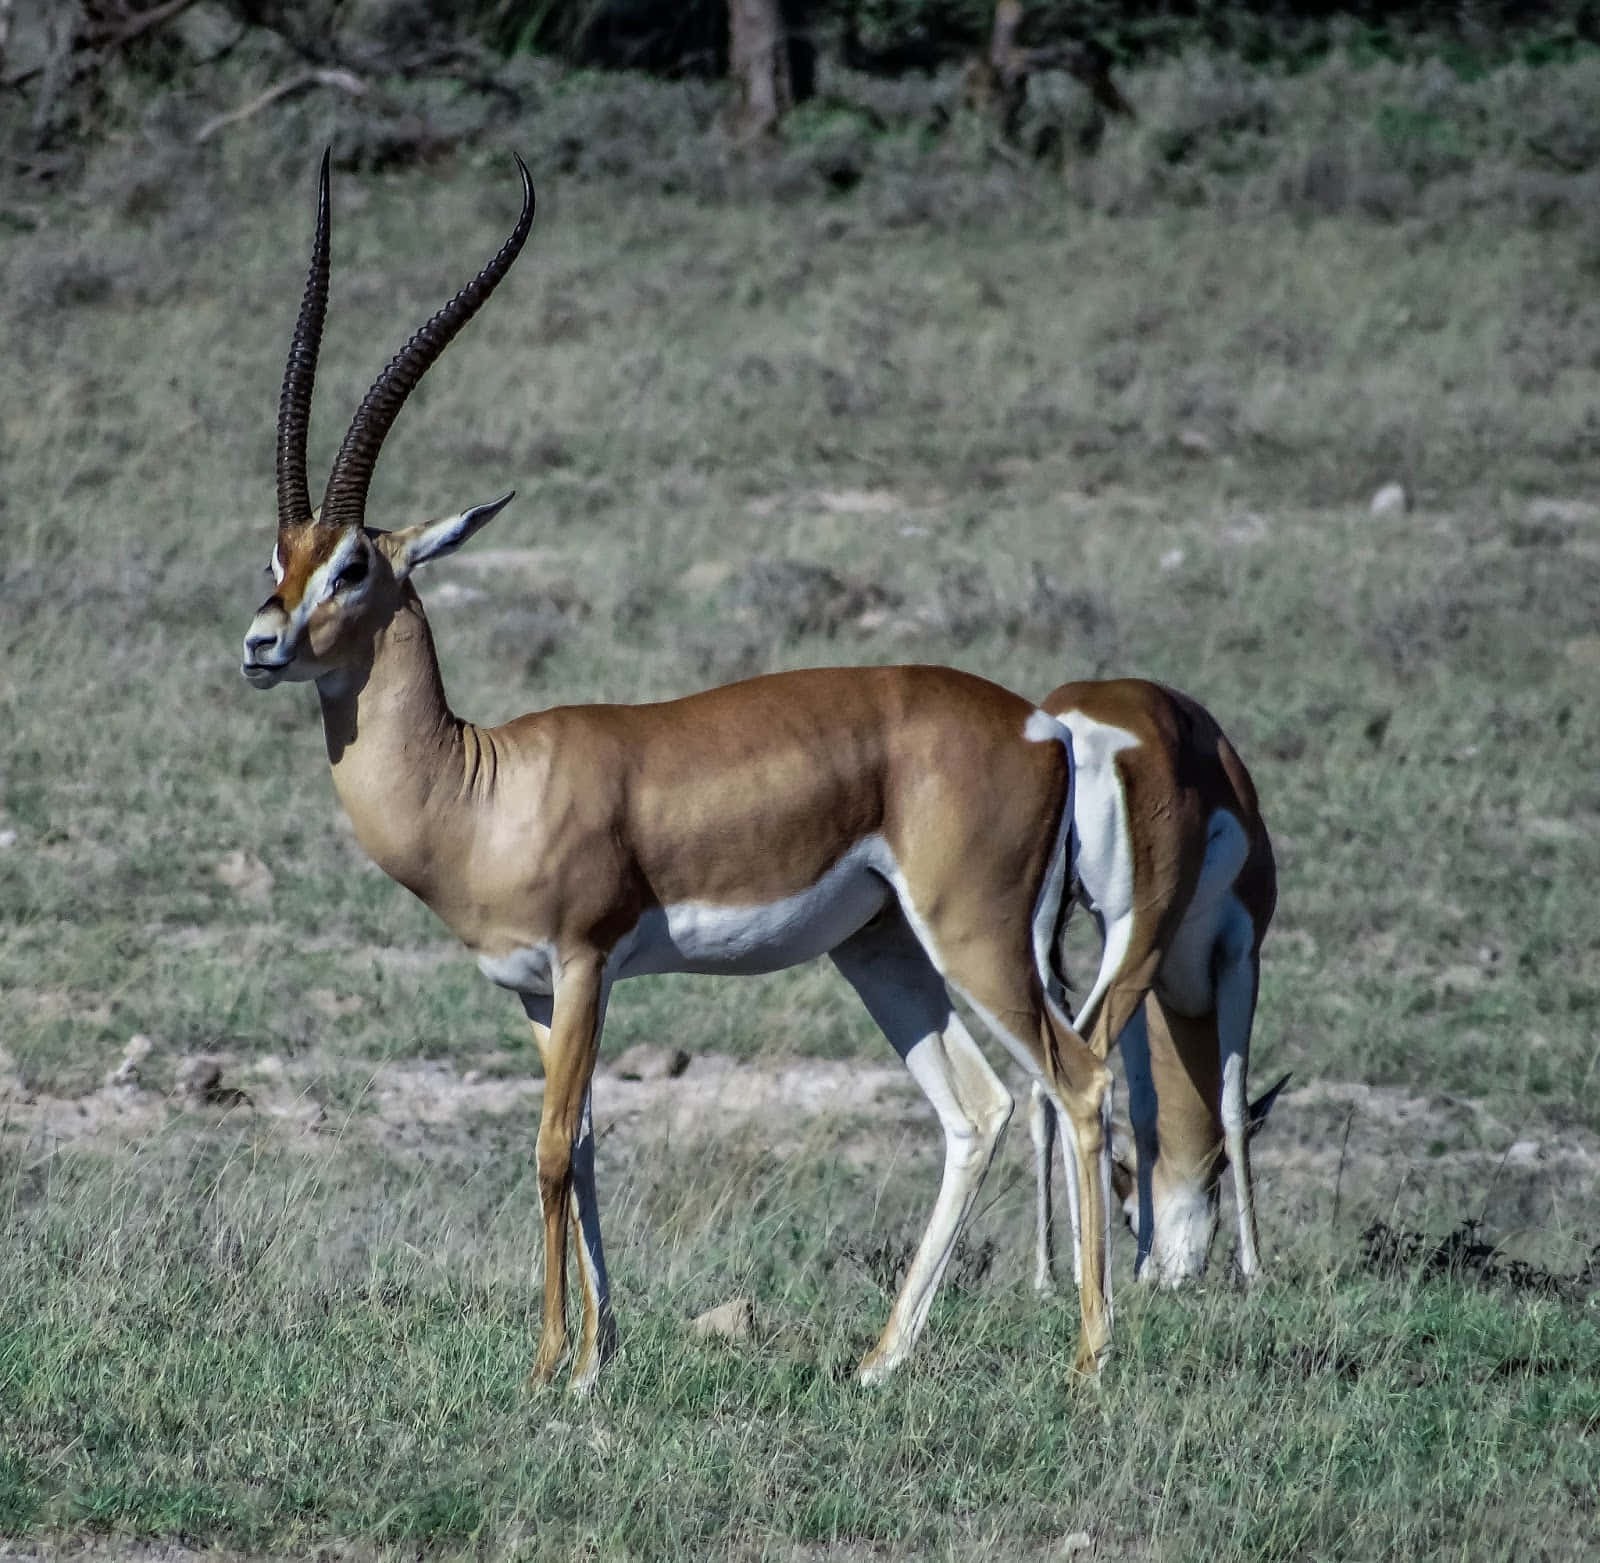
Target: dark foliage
[(1463, 1255), (889, 37)]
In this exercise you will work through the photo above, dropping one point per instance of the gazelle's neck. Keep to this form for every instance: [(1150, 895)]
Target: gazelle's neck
[(397, 751)]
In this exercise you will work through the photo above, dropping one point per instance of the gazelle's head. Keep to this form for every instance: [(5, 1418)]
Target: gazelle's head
[(336, 581)]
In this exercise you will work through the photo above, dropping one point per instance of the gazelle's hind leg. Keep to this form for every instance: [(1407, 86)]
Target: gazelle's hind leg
[(905, 995), (1238, 977), (1042, 1131), (1013, 1004), (1142, 1115)]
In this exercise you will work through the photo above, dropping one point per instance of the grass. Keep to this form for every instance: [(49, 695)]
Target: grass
[(1127, 418), (214, 1370)]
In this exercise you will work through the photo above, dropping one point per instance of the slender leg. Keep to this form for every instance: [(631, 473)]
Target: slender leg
[(1135, 1045), (904, 994), (1010, 997), (1238, 976), (569, 1050), (1069, 1176), (597, 1343), (1188, 1166), (1042, 1131)]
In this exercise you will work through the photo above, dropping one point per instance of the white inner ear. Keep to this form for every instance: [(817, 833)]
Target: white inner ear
[(276, 565)]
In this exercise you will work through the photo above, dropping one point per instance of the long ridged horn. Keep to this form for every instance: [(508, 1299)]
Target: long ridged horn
[(294, 401), (345, 502)]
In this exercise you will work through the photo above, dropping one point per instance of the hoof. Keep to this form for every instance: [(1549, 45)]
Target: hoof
[(586, 1370), (545, 1365), (874, 1369)]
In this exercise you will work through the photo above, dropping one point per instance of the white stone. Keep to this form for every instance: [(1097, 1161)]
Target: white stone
[(246, 875), (139, 1048), (1390, 500), (732, 1320)]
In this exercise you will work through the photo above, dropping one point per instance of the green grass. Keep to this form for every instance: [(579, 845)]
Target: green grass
[(179, 1359), (937, 387)]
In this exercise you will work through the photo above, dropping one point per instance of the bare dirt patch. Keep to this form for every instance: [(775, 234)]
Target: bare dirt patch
[(1332, 1149)]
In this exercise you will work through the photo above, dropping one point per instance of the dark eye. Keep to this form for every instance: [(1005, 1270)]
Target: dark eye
[(353, 573)]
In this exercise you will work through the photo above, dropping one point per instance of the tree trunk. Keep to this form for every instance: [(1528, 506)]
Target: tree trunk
[(758, 60)]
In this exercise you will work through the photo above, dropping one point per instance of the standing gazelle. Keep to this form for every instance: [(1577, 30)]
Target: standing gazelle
[(912, 823), (1174, 863)]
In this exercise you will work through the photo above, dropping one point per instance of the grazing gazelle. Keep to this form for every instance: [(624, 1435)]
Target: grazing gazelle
[(910, 822), (1174, 863)]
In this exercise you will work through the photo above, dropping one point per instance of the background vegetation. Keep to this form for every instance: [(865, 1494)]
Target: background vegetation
[(1101, 398)]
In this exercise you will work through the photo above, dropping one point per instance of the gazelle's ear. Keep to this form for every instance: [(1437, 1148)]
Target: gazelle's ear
[(428, 540)]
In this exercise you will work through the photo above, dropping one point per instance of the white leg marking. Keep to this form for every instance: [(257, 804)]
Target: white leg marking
[(591, 1252), (1236, 988), (906, 997), (1044, 728)]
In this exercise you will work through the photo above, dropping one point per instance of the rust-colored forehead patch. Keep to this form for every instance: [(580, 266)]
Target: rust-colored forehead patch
[(302, 551)]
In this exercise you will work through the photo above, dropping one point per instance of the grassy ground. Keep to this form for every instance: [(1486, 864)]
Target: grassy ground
[(193, 1356), (953, 416)]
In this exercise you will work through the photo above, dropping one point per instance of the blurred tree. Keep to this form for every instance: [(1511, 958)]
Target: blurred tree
[(758, 61), (996, 81)]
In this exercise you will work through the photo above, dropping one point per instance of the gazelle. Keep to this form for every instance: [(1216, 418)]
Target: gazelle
[(911, 823), (1174, 863)]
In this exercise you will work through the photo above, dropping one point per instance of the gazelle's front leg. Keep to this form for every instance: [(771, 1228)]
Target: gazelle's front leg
[(1238, 978), (569, 1056), (597, 1341)]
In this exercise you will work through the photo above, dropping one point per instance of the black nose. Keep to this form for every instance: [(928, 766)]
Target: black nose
[(254, 642)]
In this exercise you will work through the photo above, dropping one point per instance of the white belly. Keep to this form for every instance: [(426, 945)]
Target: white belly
[(701, 936)]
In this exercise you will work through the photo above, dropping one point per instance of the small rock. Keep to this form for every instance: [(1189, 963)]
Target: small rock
[(1172, 560), (1194, 443), (246, 875), (645, 1061), (199, 1076), (200, 1079), (135, 1053), (732, 1320), (706, 575), (1075, 1542), (8, 838), (1390, 500)]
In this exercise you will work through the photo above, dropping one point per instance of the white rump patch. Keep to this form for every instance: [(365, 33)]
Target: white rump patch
[(1041, 728)]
